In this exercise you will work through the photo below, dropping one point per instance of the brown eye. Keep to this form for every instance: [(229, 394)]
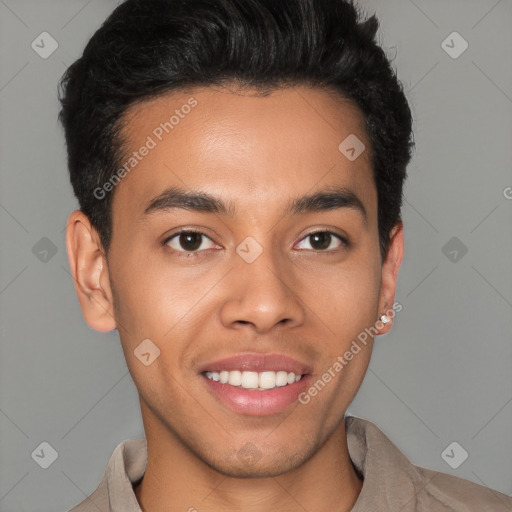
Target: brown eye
[(187, 241), (190, 241), (320, 241), (323, 241)]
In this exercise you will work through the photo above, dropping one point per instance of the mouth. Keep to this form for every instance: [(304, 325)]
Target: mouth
[(256, 384)]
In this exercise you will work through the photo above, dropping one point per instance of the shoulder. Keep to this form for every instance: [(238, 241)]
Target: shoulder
[(442, 491), (115, 491), (392, 482)]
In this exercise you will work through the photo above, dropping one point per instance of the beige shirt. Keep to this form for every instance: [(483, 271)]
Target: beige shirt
[(391, 483)]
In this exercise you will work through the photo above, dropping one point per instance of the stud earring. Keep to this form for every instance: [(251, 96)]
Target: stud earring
[(385, 319)]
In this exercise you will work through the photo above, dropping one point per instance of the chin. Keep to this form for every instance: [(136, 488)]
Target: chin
[(249, 463), (257, 471)]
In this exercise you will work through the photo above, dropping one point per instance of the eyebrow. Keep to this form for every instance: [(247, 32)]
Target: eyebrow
[(332, 198)]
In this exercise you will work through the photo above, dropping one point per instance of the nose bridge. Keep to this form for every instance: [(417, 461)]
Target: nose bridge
[(261, 291)]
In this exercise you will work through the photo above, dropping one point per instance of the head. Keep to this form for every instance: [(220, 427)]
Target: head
[(250, 105)]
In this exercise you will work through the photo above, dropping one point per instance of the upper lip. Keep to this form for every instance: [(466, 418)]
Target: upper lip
[(258, 362)]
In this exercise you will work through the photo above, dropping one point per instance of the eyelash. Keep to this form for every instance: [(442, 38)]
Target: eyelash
[(195, 254)]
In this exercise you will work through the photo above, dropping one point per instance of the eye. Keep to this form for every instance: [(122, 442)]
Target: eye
[(191, 243), (322, 240), (187, 242)]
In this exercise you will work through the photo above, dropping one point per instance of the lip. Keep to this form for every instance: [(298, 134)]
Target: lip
[(254, 402), (258, 362)]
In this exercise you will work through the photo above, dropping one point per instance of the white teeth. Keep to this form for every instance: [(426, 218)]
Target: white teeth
[(267, 380), (281, 378), (254, 380), (250, 380), (235, 378)]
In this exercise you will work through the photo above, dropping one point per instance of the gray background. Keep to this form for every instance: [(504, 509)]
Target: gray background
[(443, 374)]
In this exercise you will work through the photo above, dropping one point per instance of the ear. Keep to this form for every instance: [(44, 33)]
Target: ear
[(90, 272), (390, 268)]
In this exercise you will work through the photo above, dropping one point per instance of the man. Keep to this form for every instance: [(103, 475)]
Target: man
[(239, 166)]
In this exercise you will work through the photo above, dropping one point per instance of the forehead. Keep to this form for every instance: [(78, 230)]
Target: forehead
[(256, 151)]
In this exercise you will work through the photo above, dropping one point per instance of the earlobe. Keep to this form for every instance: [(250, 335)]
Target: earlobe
[(90, 272), (390, 268)]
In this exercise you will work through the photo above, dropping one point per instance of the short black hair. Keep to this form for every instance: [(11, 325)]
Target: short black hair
[(149, 47)]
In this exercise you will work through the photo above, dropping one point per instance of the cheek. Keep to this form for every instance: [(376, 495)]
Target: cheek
[(160, 301), (136, 305), (346, 296), (347, 305)]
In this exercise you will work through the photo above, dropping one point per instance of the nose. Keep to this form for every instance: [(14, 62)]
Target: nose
[(263, 294)]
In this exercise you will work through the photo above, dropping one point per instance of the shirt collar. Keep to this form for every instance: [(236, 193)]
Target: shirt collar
[(390, 480)]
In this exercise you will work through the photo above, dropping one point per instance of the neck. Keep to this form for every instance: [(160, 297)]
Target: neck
[(176, 480)]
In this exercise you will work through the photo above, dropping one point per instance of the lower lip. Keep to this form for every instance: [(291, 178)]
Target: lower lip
[(255, 402)]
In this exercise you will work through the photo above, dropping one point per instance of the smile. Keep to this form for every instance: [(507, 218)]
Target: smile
[(254, 380)]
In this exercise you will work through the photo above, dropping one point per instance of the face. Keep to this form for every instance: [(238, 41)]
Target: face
[(247, 271)]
